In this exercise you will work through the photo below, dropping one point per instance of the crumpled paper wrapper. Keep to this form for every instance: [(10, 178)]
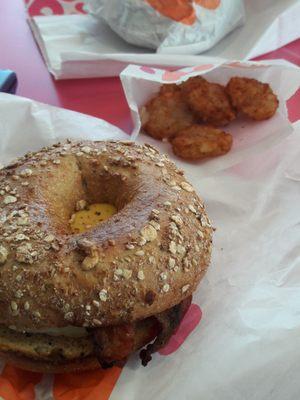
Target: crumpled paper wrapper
[(81, 46), (247, 345), (250, 137), (170, 26)]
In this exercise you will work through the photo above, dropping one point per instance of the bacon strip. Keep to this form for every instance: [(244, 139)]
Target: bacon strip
[(114, 344)]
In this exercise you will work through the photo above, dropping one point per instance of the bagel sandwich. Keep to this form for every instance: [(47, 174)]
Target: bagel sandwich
[(76, 299)]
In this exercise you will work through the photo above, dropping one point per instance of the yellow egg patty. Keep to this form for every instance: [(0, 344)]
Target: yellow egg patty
[(94, 214)]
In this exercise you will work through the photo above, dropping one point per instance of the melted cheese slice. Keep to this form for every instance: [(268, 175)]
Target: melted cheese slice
[(94, 214)]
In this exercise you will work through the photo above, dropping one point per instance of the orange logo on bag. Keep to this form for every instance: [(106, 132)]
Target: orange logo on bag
[(209, 4), (88, 385), (182, 10), (178, 10), (16, 384)]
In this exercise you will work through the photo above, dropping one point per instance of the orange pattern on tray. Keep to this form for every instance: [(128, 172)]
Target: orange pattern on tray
[(178, 10), (16, 384), (88, 385)]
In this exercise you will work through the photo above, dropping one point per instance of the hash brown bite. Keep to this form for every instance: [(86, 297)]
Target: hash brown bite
[(253, 98), (201, 141), (166, 113), (209, 101)]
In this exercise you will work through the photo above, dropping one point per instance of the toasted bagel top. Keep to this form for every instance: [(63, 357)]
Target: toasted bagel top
[(146, 258)]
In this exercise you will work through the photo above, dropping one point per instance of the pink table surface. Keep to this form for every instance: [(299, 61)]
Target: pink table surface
[(101, 97)]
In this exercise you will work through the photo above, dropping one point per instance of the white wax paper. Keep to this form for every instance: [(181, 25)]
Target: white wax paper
[(247, 346), (250, 137), (26, 125), (80, 46)]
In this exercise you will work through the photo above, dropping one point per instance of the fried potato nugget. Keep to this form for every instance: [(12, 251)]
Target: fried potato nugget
[(208, 101), (167, 113), (253, 98), (201, 141)]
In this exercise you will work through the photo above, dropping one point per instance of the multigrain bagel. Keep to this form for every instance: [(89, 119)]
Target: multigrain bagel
[(143, 261)]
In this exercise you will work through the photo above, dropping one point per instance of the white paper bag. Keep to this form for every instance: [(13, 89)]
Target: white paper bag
[(250, 137), (80, 46)]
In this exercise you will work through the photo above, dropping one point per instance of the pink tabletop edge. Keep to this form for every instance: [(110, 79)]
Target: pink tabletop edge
[(101, 97)]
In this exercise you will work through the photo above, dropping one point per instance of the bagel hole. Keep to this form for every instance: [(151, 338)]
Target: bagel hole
[(104, 195), (78, 180)]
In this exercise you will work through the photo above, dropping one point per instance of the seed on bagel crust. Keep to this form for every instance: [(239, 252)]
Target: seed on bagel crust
[(3, 254), (69, 316), (185, 288), (166, 287), (142, 241), (127, 273), (141, 275), (86, 149), (49, 238), (177, 219), (9, 199), (155, 213), (163, 276), (20, 237), (155, 225), (55, 246), (96, 303), (22, 220), (149, 233), (181, 249), (26, 172), (103, 295), (97, 322), (171, 263), (90, 262), (87, 246), (186, 186), (13, 306), (80, 205), (172, 247)]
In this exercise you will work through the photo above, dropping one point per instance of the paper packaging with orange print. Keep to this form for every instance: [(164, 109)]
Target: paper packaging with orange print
[(246, 344), (171, 26)]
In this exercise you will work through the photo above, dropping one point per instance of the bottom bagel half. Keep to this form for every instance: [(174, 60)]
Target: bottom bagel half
[(99, 347)]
